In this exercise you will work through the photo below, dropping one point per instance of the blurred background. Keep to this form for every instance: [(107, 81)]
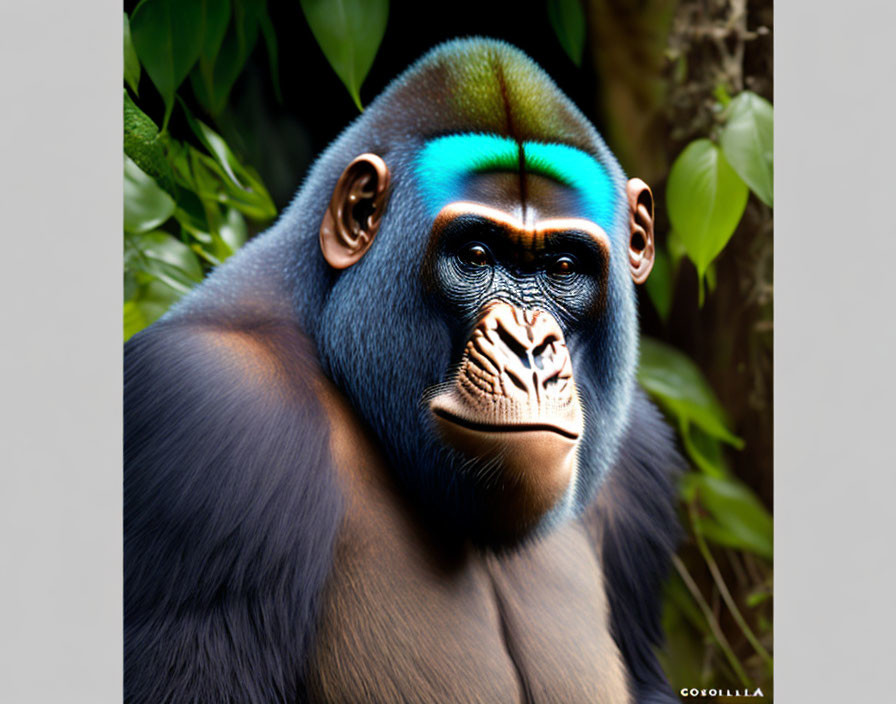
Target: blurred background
[(227, 102)]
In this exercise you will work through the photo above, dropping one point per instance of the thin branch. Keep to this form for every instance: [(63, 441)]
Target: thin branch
[(711, 621), (723, 589)]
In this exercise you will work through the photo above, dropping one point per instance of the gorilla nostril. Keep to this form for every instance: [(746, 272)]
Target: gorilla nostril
[(552, 380), (516, 380), (512, 343), (539, 351)]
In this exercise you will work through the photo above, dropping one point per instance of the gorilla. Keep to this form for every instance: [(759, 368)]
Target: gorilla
[(393, 450)]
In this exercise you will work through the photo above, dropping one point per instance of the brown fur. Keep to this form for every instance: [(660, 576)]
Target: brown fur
[(458, 625)]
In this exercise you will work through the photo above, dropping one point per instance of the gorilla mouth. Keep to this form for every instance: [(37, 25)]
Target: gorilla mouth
[(484, 427)]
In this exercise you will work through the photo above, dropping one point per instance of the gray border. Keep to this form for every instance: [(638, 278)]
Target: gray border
[(60, 413), (835, 348), (60, 352)]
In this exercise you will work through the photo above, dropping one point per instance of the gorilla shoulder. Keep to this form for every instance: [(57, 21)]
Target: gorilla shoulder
[(228, 490)]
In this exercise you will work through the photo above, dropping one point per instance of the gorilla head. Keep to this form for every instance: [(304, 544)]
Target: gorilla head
[(480, 308), (463, 256)]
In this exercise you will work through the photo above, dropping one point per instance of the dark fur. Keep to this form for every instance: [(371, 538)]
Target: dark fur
[(230, 514), (636, 530)]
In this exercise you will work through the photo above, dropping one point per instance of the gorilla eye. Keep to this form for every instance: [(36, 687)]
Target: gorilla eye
[(475, 254), (562, 266)]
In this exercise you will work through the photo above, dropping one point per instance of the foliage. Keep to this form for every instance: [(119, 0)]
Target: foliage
[(718, 602), (349, 32), (167, 35), (185, 206), (720, 509), (131, 62), (680, 389), (748, 142), (191, 201), (706, 199), (568, 20), (708, 184), (730, 514)]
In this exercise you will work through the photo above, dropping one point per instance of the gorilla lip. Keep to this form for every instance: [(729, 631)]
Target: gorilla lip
[(515, 378), (505, 428)]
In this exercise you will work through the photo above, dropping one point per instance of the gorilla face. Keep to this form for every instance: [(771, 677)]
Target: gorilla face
[(510, 395), (510, 400)]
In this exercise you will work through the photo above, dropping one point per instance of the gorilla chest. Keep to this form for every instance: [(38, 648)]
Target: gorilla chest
[(399, 623)]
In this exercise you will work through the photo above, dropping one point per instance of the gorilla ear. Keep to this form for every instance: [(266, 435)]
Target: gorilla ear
[(641, 247), (355, 211)]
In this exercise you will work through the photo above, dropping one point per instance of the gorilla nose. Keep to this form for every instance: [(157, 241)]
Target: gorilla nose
[(525, 345)]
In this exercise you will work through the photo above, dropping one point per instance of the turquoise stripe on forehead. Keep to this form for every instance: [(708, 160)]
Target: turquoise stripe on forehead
[(445, 162), (576, 169)]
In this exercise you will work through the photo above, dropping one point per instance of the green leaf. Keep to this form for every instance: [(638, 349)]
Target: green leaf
[(252, 200), (209, 180), (660, 283), (213, 89), (167, 35), (159, 269), (216, 146), (148, 305), (131, 62), (208, 188), (241, 187), (164, 257), (682, 390), (676, 248), (143, 144), (146, 206), (711, 277), (705, 200), (704, 450), (228, 235), (349, 32), (178, 154), (748, 143), (568, 20), (233, 230), (215, 15), (732, 514), (270, 40)]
